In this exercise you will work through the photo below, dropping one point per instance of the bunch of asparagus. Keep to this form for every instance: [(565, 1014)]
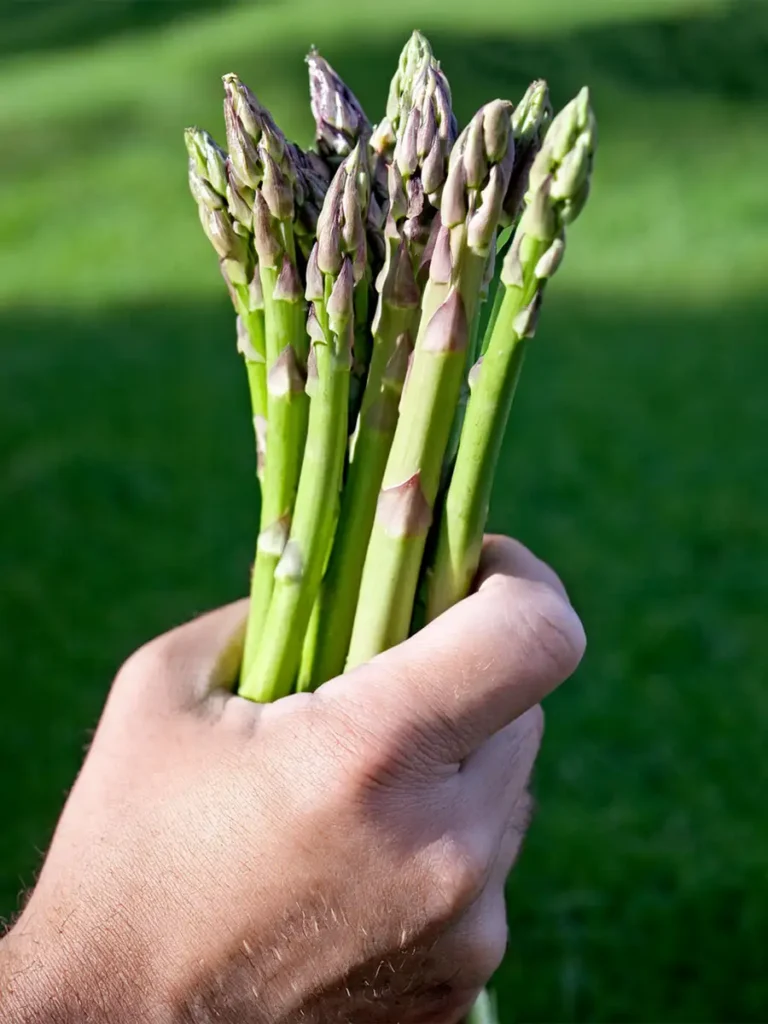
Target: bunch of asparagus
[(358, 271)]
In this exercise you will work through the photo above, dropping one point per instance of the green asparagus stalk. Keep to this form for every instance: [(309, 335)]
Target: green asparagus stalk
[(530, 119), (484, 1010), (225, 214), (328, 641), (558, 189), (263, 161), (426, 132), (415, 180), (340, 123), (478, 177), (362, 347), (337, 261), (326, 645)]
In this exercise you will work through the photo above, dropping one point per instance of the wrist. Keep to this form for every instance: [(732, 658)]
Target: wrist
[(51, 975), (29, 992)]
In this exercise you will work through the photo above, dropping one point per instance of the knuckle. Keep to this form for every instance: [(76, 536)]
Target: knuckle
[(487, 944), (143, 671), (458, 874)]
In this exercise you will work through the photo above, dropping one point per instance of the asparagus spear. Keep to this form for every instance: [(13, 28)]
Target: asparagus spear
[(477, 181), (340, 121), (427, 132), (416, 55), (337, 261), (328, 641), (414, 58), (264, 162), (530, 119), (224, 208), (415, 180), (558, 189), (312, 179), (419, 94)]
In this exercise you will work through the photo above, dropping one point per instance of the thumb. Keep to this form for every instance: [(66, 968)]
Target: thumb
[(483, 662)]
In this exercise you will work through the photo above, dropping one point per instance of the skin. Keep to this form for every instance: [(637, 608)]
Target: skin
[(334, 856)]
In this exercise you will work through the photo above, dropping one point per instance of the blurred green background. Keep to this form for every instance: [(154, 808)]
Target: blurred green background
[(635, 461)]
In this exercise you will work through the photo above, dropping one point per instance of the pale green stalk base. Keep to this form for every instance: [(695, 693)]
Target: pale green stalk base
[(287, 412), (331, 628), (392, 562), (484, 1011), (262, 585), (273, 672), (310, 647), (385, 605)]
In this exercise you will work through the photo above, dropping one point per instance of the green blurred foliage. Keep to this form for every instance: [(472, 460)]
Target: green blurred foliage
[(635, 460)]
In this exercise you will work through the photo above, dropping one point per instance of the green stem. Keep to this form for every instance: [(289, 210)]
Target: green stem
[(361, 349), (287, 411), (328, 640), (498, 298), (410, 484), (466, 506), (255, 357), (297, 580), (484, 1011), (558, 188), (461, 408)]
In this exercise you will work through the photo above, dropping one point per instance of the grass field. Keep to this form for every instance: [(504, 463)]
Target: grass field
[(635, 463)]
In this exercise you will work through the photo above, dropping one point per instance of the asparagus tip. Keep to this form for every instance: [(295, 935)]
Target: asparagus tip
[(339, 117)]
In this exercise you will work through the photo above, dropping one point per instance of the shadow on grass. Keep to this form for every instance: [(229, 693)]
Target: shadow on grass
[(635, 463)]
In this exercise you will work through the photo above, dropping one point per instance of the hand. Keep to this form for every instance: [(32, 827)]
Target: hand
[(334, 856)]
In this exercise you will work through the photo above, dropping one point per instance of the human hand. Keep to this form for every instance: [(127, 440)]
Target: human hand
[(334, 856)]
